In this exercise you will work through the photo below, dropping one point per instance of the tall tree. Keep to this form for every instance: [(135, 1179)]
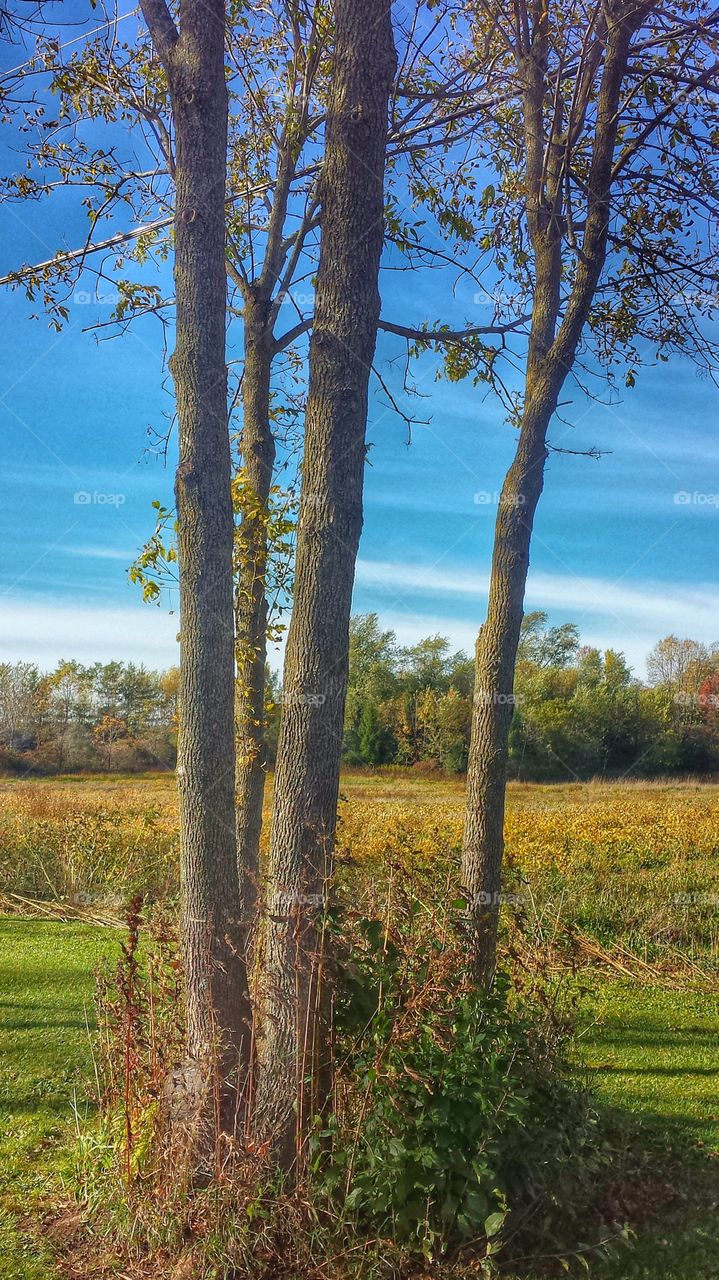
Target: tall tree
[(277, 65), (277, 73), (284, 205), (218, 1007), (296, 1036), (608, 239)]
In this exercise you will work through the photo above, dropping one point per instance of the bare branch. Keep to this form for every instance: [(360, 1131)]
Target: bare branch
[(70, 256), (448, 337), (302, 327)]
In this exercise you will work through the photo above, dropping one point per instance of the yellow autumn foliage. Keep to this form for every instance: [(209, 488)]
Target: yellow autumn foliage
[(639, 858)]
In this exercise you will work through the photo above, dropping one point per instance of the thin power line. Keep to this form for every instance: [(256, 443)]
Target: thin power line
[(78, 39)]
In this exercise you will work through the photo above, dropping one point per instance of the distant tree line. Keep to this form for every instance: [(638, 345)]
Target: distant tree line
[(577, 712), (108, 717)]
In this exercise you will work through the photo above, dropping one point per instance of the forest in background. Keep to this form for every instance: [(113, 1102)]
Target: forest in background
[(578, 712)]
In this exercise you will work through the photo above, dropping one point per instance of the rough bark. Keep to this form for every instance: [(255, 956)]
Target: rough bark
[(258, 455), (257, 449), (552, 352), (295, 1047), (217, 1000), (493, 706)]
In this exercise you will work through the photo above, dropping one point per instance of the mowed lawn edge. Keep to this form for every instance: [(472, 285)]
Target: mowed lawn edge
[(650, 1054), (46, 1075)]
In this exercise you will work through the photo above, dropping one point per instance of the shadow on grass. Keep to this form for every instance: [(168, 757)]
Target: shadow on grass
[(671, 1072), (655, 1215), (665, 1189), (650, 1057), (44, 1024), (615, 1036)]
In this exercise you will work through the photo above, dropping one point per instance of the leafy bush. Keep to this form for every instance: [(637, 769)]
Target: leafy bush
[(459, 1121)]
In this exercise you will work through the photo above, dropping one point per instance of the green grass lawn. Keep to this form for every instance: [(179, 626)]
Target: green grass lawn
[(653, 1058), (652, 1055), (46, 988)]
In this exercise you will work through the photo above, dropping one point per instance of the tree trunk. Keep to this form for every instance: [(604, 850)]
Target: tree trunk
[(257, 448), (217, 1000), (493, 705), (552, 353), (295, 1048), (258, 456)]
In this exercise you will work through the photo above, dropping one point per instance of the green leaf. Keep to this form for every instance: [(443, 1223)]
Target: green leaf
[(493, 1224)]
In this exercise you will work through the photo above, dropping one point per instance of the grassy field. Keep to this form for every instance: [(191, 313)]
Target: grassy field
[(653, 1059), (633, 869), (46, 980), (631, 863)]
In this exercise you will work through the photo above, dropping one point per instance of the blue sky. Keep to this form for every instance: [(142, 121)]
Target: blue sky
[(614, 551)]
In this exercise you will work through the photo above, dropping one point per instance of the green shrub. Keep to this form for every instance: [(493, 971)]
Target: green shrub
[(458, 1119)]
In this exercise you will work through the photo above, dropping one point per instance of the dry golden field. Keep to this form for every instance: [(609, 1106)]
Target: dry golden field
[(636, 861)]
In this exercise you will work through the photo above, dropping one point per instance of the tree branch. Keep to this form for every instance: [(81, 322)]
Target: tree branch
[(163, 32), (450, 336), (67, 257), (281, 344)]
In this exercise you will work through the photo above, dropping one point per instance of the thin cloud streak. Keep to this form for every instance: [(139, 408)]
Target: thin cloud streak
[(649, 605), (43, 632)]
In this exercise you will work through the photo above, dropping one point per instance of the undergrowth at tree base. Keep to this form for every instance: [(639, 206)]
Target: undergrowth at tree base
[(460, 1141)]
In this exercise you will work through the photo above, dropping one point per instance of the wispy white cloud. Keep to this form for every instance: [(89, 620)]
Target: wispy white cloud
[(610, 612), (648, 601), (410, 599), (43, 632), (101, 553)]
